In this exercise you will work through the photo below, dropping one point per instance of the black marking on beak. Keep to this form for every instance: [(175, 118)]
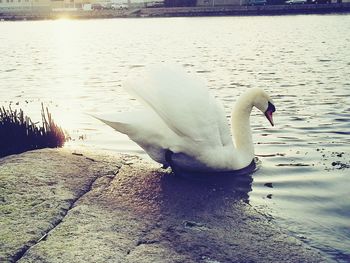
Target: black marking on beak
[(268, 113)]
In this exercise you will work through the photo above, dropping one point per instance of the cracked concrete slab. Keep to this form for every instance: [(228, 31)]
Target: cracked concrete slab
[(36, 190), (59, 207)]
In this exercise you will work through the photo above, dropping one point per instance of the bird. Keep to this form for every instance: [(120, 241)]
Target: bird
[(182, 125)]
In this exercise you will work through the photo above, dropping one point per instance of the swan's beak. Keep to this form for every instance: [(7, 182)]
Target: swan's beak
[(268, 113)]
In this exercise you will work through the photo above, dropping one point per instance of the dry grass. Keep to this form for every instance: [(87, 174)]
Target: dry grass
[(19, 134)]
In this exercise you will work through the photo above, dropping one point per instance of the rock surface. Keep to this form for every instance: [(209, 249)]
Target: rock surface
[(56, 206)]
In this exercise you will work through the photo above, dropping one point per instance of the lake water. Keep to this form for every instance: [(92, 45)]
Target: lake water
[(76, 67)]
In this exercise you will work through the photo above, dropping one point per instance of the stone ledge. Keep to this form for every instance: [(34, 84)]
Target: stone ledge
[(60, 207)]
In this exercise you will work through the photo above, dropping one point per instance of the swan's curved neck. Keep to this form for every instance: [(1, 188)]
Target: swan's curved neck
[(241, 130)]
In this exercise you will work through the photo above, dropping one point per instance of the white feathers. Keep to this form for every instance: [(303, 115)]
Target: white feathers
[(182, 102), (181, 115)]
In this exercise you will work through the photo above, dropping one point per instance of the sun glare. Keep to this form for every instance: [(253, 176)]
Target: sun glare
[(63, 19), (67, 61)]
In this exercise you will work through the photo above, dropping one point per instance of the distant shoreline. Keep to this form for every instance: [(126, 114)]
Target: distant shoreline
[(179, 12)]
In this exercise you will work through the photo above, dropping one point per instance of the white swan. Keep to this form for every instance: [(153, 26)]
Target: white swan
[(184, 126)]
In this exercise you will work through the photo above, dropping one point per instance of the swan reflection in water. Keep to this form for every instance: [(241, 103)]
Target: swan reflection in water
[(230, 185)]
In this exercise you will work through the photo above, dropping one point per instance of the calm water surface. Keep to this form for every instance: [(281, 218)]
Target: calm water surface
[(76, 67)]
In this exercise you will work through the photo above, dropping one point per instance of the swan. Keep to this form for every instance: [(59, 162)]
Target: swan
[(183, 126)]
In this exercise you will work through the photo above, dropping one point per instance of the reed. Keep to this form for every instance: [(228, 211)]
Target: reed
[(19, 134)]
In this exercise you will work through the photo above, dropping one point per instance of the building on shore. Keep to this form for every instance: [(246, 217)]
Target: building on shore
[(14, 5), (41, 5), (71, 5), (57, 4)]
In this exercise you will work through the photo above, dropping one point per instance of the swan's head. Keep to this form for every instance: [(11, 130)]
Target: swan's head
[(264, 103)]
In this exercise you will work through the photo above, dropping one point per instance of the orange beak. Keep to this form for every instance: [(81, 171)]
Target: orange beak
[(268, 113)]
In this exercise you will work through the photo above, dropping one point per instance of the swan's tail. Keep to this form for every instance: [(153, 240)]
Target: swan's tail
[(113, 121)]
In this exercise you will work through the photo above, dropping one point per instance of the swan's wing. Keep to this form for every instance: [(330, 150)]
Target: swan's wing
[(183, 103)]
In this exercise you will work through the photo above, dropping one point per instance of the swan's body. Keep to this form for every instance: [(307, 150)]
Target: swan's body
[(182, 118)]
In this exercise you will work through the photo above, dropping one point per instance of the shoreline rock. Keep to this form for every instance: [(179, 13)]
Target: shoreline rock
[(56, 206)]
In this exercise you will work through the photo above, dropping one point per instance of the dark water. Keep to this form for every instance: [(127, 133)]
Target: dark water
[(76, 67)]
